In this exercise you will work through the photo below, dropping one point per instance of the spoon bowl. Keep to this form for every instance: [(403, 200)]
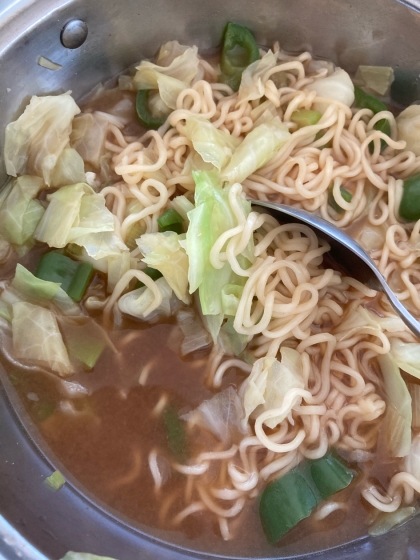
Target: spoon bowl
[(345, 252)]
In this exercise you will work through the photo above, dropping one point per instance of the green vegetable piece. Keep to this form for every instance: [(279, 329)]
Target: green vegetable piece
[(284, 503), (73, 276), (365, 101), (329, 475), (81, 281), (152, 272), (177, 228), (169, 217), (55, 481), (332, 202), (170, 220), (410, 201), (84, 556), (405, 89), (84, 342), (238, 52), (175, 433), (143, 111), (293, 497), (305, 117)]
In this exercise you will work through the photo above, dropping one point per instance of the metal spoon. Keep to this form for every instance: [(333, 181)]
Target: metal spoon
[(348, 254)]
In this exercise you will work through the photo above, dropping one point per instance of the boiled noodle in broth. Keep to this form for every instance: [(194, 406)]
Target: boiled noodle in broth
[(190, 360)]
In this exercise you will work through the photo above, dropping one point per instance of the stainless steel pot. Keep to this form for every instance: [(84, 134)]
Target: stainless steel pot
[(36, 524)]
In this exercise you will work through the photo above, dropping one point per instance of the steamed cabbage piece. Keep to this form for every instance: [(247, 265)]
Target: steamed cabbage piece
[(408, 127), (70, 169), (36, 337), (136, 302), (268, 384), (399, 412), (258, 147), (74, 215), (88, 138), (175, 69), (211, 217), (214, 146), (337, 86), (20, 213), (34, 143), (221, 415), (252, 86), (163, 252)]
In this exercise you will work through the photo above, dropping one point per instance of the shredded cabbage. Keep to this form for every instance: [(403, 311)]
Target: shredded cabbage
[(399, 413), (268, 383), (36, 337), (259, 146), (214, 146), (231, 342), (337, 86), (164, 252), (34, 143)]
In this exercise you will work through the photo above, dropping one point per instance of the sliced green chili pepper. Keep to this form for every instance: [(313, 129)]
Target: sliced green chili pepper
[(143, 111), (73, 276), (238, 52), (152, 272), (410, 201), (175, 433), (305, 117), (170, 220), (332, 202), (365, 101), (291, 498)]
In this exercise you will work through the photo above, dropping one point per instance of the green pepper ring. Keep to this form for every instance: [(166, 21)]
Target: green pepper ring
[(143, 111)]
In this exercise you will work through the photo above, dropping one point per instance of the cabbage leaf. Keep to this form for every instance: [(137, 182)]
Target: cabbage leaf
[(337, 86), (19, 212), (211, 217), (163, 252), (399, 412), (88, 137), (214, 146), (34, 143), (36, 337), (268, 384), (408, 128), (74, 213), (252, 87), (221, 415), (70, 169), (136, 302), (407, 356), (259, 146)]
